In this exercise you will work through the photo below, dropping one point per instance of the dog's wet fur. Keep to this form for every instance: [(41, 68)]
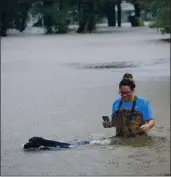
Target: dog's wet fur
[(39, 142), (45, 144)]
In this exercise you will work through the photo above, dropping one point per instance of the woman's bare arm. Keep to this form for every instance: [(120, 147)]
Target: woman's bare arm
[(150, 123)]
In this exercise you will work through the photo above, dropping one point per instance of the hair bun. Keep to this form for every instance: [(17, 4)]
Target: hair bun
[(127, 76), (128, 81)]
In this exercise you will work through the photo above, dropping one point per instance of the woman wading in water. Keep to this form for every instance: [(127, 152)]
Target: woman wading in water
[(131, 114)]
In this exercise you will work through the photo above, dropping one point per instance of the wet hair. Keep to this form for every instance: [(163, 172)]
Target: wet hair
[(127, 81)]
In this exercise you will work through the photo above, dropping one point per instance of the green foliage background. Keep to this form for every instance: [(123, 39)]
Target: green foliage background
[(163, 15), (58, 14)]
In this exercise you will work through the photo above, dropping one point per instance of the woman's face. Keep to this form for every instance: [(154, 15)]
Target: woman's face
[(126, 93)]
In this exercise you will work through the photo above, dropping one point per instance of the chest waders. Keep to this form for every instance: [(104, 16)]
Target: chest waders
[(128, 121)]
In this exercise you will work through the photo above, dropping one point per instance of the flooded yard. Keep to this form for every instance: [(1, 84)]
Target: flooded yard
[(59, 86)]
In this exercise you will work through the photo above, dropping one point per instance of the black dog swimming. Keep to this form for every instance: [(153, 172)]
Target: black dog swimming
[(44, 144)]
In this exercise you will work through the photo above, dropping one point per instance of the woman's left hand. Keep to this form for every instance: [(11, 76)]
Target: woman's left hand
[(144, 128)]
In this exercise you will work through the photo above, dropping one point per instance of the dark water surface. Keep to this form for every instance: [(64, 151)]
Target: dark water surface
[(58, 87)]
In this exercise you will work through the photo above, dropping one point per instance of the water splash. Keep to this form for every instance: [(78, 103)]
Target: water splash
[(100, 142)]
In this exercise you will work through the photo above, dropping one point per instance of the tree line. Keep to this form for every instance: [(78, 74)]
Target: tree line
[(56, 15)]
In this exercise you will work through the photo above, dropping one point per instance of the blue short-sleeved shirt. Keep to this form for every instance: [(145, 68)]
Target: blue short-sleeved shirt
[(142, 105)]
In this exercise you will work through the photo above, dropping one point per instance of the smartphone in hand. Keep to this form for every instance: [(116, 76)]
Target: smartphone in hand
[(106, 118)]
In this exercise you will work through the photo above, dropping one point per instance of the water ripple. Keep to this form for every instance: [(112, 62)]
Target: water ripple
[(119, 64)]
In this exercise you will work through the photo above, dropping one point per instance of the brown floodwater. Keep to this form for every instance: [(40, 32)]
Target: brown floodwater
[(59, 86)]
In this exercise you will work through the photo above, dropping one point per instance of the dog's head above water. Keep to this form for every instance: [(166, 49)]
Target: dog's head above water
[(34, 142), (44, 144)]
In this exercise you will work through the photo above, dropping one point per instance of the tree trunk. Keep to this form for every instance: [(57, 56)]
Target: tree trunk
[(137, 13), (91, 21), (3, 31), (137, 10), (82, 24), (4, 25), (23, 15), (111, 14), (91, 24), (87, 20), (119, 14), (47, 17), (23, 21), (82, 20), (48, 23)]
